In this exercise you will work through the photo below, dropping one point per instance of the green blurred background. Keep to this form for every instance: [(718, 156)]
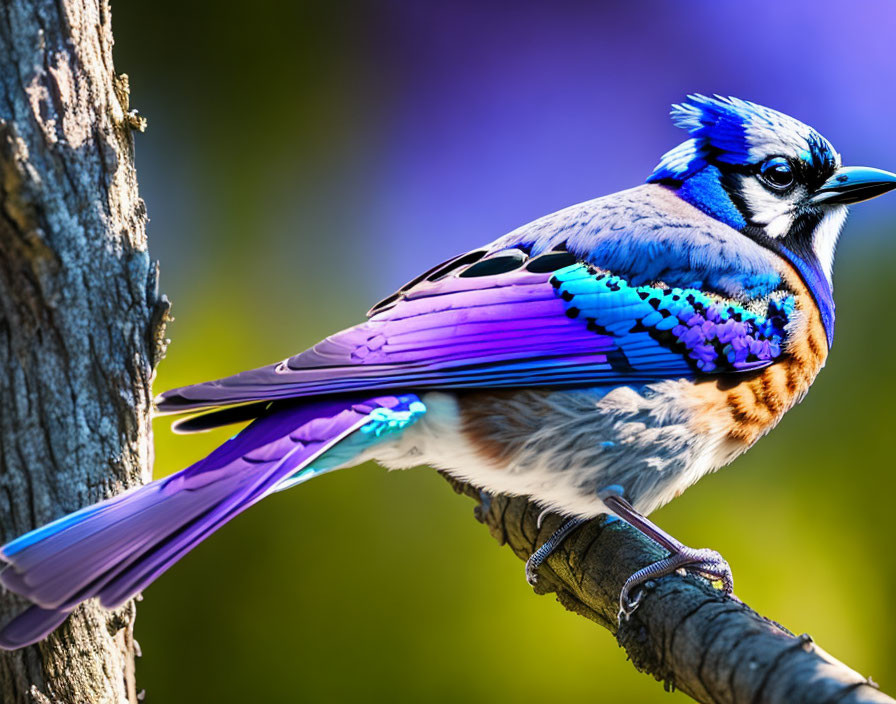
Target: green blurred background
[(303, 159)]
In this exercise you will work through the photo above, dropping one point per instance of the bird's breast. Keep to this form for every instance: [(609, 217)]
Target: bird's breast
[(748, 407)]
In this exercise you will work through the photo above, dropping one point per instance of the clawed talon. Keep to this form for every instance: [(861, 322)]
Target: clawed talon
[(539, 556), (628, 605), (531, 572), (703, 562)]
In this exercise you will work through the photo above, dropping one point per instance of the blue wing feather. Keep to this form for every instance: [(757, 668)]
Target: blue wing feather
[(576, 326)]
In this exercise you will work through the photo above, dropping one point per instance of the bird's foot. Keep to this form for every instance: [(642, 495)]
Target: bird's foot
[(703, 562), (532, 565), (537, 558)]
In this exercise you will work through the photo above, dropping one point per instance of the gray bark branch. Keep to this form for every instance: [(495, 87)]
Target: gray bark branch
[(685, 633), (81, 320)]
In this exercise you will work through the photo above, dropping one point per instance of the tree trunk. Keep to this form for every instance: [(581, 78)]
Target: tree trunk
[(81, 319)]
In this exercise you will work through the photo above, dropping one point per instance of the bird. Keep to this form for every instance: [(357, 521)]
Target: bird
[(599, 361)]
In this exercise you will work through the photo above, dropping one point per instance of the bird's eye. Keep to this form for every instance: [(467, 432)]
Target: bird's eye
[(776, 173)]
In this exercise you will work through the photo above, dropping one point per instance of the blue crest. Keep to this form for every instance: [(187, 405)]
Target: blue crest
[(734, 131)]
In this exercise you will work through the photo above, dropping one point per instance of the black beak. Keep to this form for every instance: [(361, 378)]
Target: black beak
[(853, 184)]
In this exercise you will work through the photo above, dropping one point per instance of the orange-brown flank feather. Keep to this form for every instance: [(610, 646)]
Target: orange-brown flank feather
[(754, 405)]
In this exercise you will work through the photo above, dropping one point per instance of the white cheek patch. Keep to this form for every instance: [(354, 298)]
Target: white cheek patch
[(824, 239), (780, 225), (765, 209)]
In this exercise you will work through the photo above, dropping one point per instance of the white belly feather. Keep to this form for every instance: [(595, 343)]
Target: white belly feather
[(583, 441)]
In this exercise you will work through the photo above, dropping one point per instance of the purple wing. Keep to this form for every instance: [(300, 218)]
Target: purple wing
[(498, 330), (498, 321)]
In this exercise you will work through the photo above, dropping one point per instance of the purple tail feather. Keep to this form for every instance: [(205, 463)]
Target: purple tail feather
[(115, 548)]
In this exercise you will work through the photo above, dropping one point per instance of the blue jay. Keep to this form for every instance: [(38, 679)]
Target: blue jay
[(599, 361)]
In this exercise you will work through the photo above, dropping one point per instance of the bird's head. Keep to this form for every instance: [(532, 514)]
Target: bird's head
[(773, 178)]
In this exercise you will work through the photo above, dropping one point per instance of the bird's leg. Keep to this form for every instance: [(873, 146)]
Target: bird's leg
[(704, 562), (537, 558)]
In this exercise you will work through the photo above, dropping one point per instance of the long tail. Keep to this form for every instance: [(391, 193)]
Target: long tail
[(115, 548)]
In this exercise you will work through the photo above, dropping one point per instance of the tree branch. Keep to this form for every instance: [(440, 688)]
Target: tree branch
[(685, 633), (81, 320)]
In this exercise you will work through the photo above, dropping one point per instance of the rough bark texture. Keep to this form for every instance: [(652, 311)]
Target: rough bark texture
[(684, 633), (81, 320)]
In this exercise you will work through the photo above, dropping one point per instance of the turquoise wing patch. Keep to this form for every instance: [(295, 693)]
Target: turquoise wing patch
[(712, 333)]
